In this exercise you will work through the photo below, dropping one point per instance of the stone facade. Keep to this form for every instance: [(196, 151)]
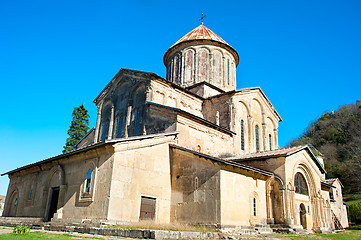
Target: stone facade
[(190, 149)]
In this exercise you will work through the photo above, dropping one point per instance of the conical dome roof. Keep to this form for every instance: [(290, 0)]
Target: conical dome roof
[(199, 33)]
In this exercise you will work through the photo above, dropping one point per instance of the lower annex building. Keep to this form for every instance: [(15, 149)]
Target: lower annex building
[(190, 148)]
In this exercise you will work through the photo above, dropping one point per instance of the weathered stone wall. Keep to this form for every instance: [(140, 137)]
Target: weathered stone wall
[(238, 192), (141, 168), (195, 189), (202, 138), (32, 188), (218, 111), (337, 205), (164, 94)]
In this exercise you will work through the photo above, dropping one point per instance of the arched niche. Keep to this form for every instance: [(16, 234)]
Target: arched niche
[(137, 113), (203, 64), (275, 201), (177, 67), (12, 205), (189, 66), (217, 67), (105, 120)]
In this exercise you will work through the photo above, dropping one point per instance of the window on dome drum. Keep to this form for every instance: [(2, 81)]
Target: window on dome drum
[(270, 141), (242, 135), (301, 184), (119, 128), (228, 71), (254, 207), (88, 181), (257, 138), (136, 130)]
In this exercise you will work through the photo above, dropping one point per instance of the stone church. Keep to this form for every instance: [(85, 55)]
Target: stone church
[(190, 148)]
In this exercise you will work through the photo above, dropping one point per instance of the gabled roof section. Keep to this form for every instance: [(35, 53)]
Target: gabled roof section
[(207, 84), (215, 159), (87, 148), (331, 181), (144, 74), (285, 152), (87, 134)]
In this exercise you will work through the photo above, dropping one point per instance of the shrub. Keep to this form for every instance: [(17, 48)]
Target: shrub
[(355, 212), (21, 230)]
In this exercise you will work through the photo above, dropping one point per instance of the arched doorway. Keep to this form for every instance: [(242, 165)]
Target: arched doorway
[(303, 220)]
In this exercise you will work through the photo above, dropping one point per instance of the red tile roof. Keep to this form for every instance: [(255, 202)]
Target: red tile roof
[(199, 33), (265, 154)]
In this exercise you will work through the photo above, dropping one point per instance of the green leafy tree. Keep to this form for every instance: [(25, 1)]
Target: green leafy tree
[(78, 128), (337, 135)]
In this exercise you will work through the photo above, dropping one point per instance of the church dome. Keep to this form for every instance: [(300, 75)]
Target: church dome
[(200, 33), (202, 56)]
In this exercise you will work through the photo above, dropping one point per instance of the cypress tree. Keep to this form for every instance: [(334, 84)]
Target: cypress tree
[(78, 127)]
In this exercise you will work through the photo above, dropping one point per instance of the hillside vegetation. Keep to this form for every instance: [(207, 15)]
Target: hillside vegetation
[(337, 135)]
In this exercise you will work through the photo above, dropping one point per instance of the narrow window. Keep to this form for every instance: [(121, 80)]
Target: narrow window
[(242, 135), (104, 132), (270, 141), (31, 192), (331, 194), (119, 129), (228, 71), (16, 202), (257, 138), (136, 131), (147, 208), (254, 207), (88, 181)]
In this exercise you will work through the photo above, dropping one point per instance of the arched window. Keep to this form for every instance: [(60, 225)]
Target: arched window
[(270, 141), (301, 184), (105, 130), (242, 135), (254, 207), (88, 181), (119, 128), (257, 138)]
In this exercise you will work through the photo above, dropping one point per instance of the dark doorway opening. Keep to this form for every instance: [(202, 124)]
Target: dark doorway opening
[(303, 220), (53, 207), (147, 208)]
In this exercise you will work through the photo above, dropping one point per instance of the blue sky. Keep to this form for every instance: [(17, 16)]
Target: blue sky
[(55, 55)]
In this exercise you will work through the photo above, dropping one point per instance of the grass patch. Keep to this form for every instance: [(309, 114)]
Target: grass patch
[(343, 235), (150, 225), (42, 235)]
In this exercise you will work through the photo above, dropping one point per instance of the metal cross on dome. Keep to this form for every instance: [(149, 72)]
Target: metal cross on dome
[(201, 19)]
